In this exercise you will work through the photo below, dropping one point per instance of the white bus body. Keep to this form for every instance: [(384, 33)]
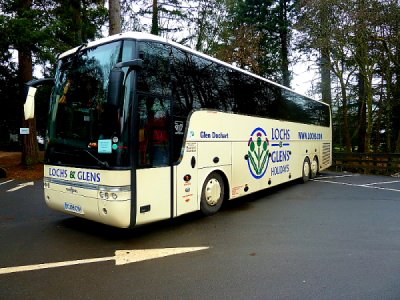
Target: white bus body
[(220, 144)]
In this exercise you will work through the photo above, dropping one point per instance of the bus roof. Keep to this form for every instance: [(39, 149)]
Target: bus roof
[(142, 36)]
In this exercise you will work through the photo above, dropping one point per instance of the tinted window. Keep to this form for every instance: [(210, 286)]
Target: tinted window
[(153, 131), (154, 78), (200, 83)]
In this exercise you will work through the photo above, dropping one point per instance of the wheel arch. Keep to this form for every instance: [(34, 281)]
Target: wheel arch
[(223, 172)]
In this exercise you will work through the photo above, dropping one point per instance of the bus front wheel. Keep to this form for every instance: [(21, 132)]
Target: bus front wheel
[(306, 170), (212, 194)]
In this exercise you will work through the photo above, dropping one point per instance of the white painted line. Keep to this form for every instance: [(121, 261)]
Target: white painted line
[(335, 182), (20, 186), (337, 176), (121, 257), (380, 188), (1, 183), (52, 265), (384, 182), (359, 185)]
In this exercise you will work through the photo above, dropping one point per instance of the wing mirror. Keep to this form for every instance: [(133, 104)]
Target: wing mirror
[(117, 79), (30, 91)]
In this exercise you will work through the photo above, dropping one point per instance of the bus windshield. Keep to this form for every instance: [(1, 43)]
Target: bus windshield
[(83, 129)]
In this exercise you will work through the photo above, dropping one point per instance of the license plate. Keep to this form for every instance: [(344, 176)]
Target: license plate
[(73, 208)]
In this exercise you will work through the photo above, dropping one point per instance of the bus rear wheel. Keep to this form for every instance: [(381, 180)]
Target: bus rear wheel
[(306, 170), (314, 167), (212, 194)]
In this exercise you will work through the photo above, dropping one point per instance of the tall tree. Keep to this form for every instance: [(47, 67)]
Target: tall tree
[(167, 16), (270, 23), (207, 20), (24, 12), (114, 14), (38, 30), (363, 48), (154, 19), (325, 14), (284, 9)]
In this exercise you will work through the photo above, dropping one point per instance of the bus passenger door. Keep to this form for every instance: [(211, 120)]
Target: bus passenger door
[(186, 181)]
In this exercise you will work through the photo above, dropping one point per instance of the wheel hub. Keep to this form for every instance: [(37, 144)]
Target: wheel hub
[(213, 191)]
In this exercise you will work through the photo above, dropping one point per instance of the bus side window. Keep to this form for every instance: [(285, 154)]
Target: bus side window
[(153, 131)]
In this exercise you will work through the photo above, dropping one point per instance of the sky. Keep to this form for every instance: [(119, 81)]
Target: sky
[(304, 75)]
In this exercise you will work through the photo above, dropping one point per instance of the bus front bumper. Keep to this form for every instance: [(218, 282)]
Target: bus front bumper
[(89, 205)]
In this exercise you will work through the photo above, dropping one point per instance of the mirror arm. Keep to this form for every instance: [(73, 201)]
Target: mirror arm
[(135, 64), (37, 82)]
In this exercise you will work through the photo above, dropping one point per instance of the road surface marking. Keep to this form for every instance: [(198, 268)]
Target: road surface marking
[(121, 257), (359, 185), (337, 176), (1, 183), (384, 182), (20, 186)]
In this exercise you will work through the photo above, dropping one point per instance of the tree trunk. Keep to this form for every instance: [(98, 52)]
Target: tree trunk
[(77, 28), (30, 149), (326, 76), (154, 19), (362, 113), (284, 40), (114, 13), (377, 143), (346, 131), (325, 17), (397, 150), (369, 96)]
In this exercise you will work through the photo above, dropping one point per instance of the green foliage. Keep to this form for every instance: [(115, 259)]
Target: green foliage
[(362, 42), (256, 37), (357, 42), (45, 29)]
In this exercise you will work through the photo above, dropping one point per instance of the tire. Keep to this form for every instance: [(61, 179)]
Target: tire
[(306, 170), (314, 167), (212, 194)]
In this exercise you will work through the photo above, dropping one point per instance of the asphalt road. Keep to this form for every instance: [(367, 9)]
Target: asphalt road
[(332, 238)]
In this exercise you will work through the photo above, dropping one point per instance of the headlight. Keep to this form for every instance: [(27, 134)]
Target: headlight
[(111, 193), (103, 195)]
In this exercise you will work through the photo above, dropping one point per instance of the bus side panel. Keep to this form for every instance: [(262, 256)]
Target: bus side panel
[(153, 195), (242, 181), (186, 181), (213, 154)]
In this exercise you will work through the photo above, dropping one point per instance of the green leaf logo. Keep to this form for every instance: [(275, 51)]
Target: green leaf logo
[(258, 153)]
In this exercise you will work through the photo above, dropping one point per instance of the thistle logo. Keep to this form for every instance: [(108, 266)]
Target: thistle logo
[(258, 153)]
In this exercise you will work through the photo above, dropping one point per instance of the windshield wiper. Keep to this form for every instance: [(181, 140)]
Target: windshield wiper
[(101, 163)]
